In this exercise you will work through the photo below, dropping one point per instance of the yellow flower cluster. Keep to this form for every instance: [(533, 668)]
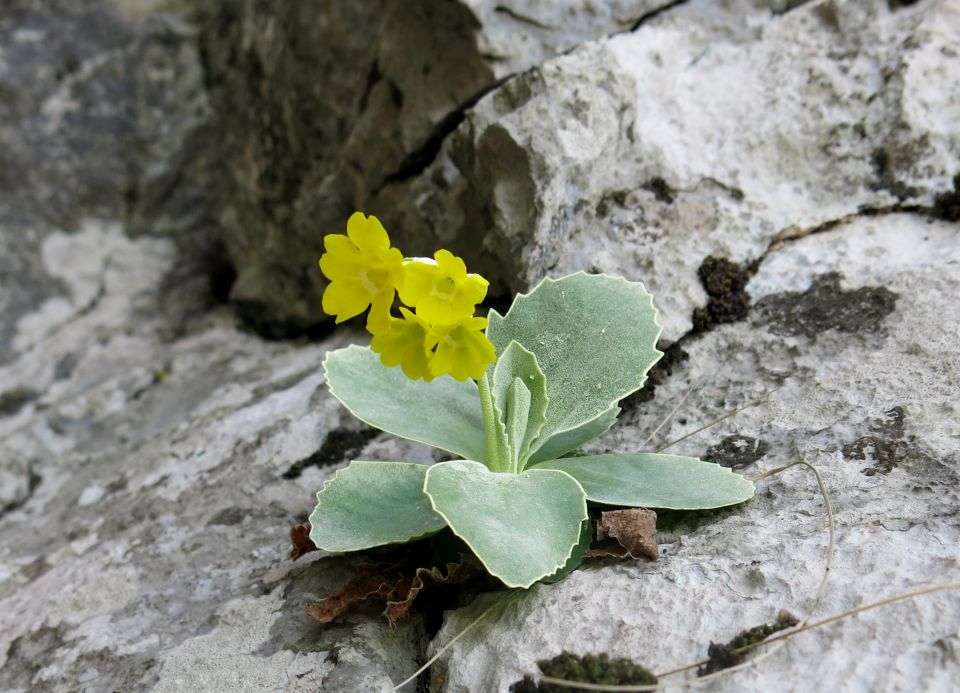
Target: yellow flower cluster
[(440, 335)]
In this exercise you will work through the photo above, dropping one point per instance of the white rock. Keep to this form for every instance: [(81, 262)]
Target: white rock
[(854, 392)]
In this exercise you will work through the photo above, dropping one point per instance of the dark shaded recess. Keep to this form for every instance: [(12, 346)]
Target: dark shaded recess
[(673, 356), (273, 328), (13, 400), (589, 668), (946, 205), (418, 160), (900, 4), (658, 186), (725, 282), (736, 451), (653, 14), (886, 176), (825, 306), (220, 271), (340, 444), (887, 445)]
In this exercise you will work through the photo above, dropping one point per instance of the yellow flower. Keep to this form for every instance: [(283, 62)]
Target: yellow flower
[(443, 293), (462, 349), (363, 271), (404, 343)]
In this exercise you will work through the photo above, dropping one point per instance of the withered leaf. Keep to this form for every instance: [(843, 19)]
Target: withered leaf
[(631, 532), (358, 588), (399, 605), (398, 585), (300, 536)]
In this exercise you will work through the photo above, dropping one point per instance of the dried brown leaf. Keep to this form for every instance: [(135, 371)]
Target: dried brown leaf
[(300, 536), (626, 533), (398, 584), (358, 588), (399, 605)]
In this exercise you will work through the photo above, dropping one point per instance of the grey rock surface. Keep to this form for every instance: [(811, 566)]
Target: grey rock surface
[(316, 110), (867, 396), (154, 452), (144, 545), (700, 133)]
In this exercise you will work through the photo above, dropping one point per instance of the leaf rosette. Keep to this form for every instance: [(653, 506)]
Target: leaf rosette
[(566, 353)]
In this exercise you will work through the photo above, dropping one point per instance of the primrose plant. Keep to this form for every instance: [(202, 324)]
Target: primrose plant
[(512, 396)]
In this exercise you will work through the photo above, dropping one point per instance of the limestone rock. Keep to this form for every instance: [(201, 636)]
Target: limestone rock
[(317, 109), (868, 396), (145, 543), (155, 452), (645, 153)]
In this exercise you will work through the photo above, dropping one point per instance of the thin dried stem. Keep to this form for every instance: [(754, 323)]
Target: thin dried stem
[(714, 422), (673, 411), (413, 677)]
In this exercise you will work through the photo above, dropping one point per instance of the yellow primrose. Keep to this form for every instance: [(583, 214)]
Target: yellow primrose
[(404, 343), (363, 271), (442, 292), (462, 349)]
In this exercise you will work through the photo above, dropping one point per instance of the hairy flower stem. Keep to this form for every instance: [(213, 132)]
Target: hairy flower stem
[(490, 426)]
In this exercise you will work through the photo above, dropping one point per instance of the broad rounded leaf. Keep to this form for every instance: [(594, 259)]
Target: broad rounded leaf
[(368, 504), (652, 480), (444, 413), (576, 556), (522, 527), (594, 337)]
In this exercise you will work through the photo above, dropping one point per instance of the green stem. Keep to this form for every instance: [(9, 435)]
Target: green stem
[(489, 425)]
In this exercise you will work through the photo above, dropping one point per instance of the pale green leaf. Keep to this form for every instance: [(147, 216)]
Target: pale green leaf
[(522, 527), (516, 418), (560, 444), (652, 480), (444, 413), (594, 337), (576, 556), (367, 504), (514, 362)]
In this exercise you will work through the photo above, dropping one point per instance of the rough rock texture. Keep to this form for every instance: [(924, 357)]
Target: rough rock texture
[(870, 399), (300, 153), (644, 154), (789, 168), (146, 504)]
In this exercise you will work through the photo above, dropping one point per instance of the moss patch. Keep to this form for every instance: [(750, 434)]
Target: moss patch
[(726, 655), (340, 444), (725, 282), (586, 669), (737, 451), (887, 445)]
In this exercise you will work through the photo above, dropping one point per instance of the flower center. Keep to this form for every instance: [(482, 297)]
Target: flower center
[(443, 288), (372, 281)]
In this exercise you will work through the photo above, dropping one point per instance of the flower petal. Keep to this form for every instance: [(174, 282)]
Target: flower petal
[(368, 233), (344, 300)]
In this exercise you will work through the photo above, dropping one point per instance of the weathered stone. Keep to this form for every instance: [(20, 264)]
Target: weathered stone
[(100, 118), (145, 545), (319, 108), (874, 410), (155, 455), (643, 154)]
